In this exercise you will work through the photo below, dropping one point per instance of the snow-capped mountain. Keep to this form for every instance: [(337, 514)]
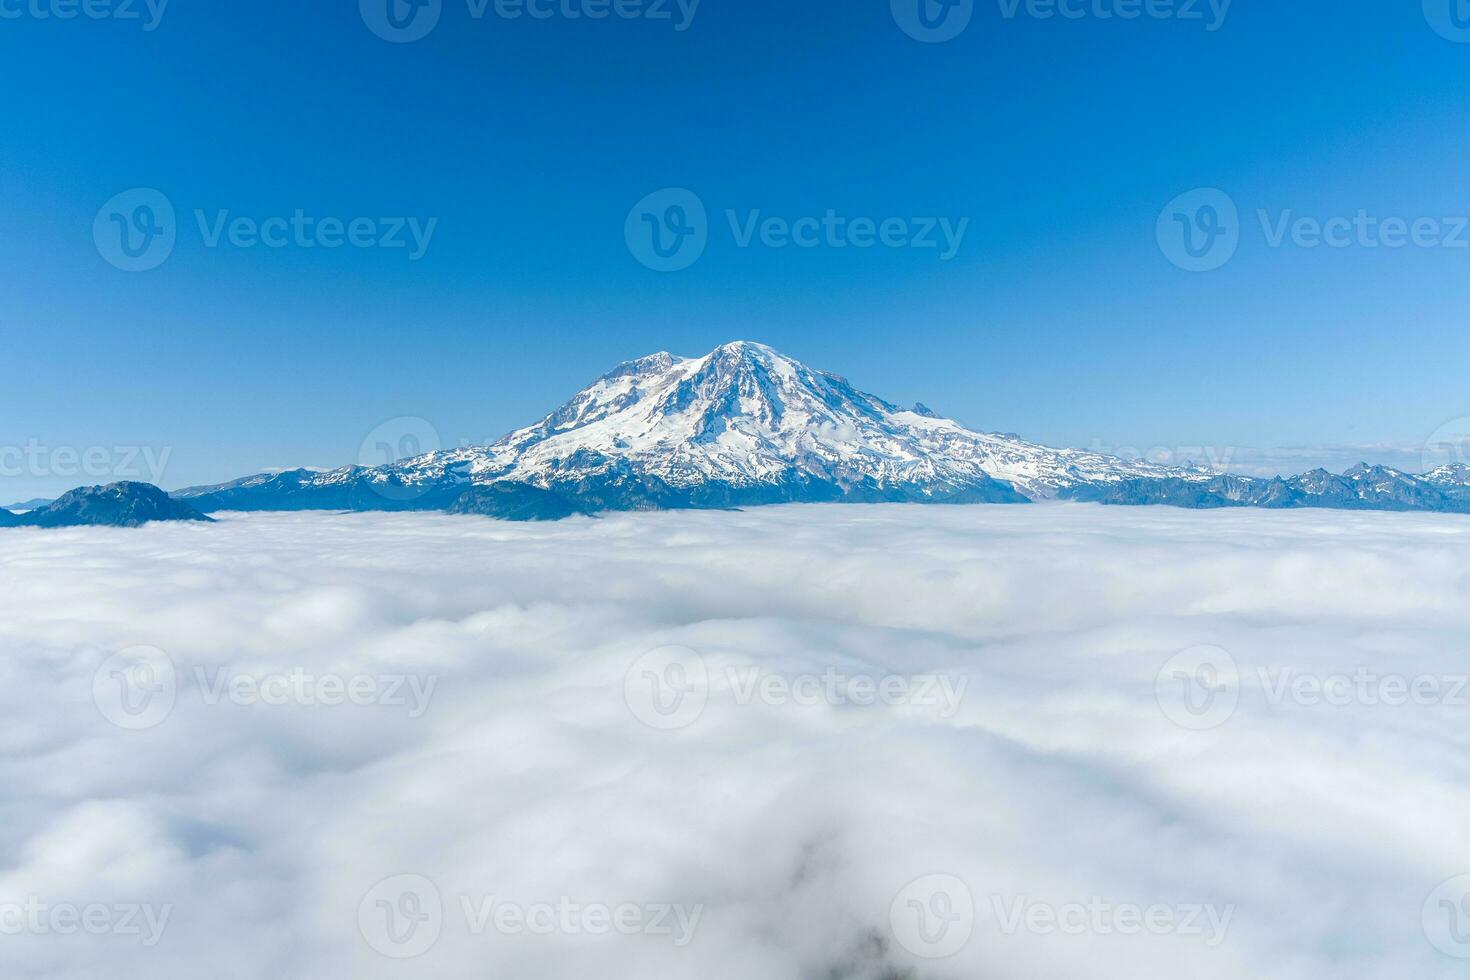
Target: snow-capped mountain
[(745, 415), (745, 425), (742, 424)]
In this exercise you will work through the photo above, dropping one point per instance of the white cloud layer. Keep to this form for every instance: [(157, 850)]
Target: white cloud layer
[(359, 698)]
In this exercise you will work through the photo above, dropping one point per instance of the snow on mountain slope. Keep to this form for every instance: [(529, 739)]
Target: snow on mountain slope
[(745, 414), (745, 425)]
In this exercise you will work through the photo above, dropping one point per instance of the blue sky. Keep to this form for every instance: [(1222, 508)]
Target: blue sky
[(527, 141)]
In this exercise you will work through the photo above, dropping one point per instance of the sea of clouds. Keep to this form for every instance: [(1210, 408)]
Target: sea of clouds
[(807, 742)]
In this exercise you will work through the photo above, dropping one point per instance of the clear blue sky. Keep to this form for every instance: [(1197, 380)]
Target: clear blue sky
[(530, 140)]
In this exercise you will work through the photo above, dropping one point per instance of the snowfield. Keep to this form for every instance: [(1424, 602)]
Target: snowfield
[(815, 742)]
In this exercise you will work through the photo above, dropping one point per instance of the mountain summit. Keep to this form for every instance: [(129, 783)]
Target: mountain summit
[(750, 420), (745, 425), (115, 505)]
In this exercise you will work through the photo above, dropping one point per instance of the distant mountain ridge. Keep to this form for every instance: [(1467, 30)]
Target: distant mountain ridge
[(114, 505), (29, 504), (746, 425)]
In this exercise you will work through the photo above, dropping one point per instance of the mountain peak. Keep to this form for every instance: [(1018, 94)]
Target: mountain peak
[(745, 415), (125, 504), (747, 348), (742, 424), (747, 355), (648, 364)]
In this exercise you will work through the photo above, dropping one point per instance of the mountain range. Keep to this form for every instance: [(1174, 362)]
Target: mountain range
[(115, 505), (745, 425)]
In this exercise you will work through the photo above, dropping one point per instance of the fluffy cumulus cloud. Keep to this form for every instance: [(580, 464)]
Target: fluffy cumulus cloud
[(825, 742)]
